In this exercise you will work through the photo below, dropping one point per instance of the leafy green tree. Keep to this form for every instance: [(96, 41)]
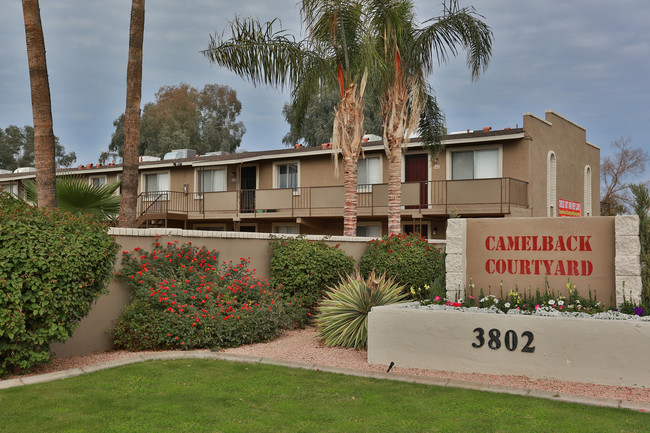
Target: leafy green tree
[(17, 149), (182, 117), (335, 55), (642, 209), (409, 55), (316, 128)]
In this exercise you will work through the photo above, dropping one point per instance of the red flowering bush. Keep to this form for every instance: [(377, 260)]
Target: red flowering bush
[(409, 259), (184, 298), (53, 267)]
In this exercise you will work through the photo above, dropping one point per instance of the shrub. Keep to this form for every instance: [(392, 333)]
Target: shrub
[(183, 298), (306, 268), (342, 318), (409, 259), (53, 267), (641, 208)]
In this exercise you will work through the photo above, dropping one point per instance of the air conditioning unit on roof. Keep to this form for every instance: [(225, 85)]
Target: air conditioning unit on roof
[(24, 170), (180, 154)]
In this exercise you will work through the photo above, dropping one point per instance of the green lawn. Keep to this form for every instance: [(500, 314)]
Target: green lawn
[(220, 396)]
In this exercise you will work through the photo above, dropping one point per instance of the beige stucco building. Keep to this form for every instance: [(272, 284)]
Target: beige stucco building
[(540, 168)]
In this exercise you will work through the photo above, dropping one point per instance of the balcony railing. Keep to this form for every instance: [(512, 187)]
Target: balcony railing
[(474, 196)]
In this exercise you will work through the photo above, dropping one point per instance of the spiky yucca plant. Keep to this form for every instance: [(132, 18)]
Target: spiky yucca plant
[(342, 318)]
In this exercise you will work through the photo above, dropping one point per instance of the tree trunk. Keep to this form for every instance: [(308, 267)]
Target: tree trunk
[(44, 149), (131, 153), (351, 196), (395, 187)]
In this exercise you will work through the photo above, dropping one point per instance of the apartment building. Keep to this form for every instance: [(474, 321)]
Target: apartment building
[(545, 167)]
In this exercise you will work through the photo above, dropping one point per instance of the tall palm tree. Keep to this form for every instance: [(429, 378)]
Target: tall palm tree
[(336, 54), (44, 146), (409, 54), (131, 151)]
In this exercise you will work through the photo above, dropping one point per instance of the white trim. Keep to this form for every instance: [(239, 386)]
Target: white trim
[(448, 153), (587, 202), (534, 116), (565, 119), (551, 184), (90, 179), (489, 138), (296, 190), (199, 194)]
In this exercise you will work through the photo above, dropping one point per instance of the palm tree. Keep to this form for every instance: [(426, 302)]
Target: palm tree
[(76, 195), (131, 151), (410, 54), (44, 146), (336, 54)]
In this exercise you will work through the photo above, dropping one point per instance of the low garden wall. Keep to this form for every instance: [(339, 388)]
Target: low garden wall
[(609, 352), (92, 335)]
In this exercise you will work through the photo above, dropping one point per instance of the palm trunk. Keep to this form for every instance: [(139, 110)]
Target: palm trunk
[(129, 203), (395, 187), (44, 149), (351, 197)]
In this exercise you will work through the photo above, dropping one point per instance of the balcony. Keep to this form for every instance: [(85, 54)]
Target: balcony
[(492, 197)]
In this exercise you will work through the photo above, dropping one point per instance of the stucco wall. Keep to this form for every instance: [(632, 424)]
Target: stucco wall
[(92, 334)]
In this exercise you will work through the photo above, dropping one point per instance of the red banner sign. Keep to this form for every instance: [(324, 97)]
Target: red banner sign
[(568, 208)]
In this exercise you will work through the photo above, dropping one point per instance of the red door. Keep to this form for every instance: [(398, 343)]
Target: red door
[(416, 168)]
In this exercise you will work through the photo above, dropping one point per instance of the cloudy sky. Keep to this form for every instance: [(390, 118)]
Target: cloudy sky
[(588, 60)]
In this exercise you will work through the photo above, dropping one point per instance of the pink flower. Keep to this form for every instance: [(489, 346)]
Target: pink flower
[(437, 298), (537, 307)]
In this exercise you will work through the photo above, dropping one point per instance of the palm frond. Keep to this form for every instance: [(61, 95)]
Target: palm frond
[(76, 195)]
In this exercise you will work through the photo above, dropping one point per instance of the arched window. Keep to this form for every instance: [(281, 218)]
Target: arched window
[(551, 184), (587, 200)]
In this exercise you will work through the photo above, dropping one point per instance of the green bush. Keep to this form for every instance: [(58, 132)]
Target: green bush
[(641, 208), (409, 259), (342, 318), (184, 298), (53, 267), (306, 268)]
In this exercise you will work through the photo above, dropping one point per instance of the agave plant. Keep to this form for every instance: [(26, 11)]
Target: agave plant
[(76, 195), (342, 318)]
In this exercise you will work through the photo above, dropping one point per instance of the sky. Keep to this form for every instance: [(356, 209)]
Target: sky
[(588, 60)]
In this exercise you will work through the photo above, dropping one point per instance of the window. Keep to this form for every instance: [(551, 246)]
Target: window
[(551, 184), (98, 181), (587, 195), (210, 227), (287, 176), (368, 173), (475, 164), (10, 188), (291, 229), (154, 184), (369, 230), (210, 181)]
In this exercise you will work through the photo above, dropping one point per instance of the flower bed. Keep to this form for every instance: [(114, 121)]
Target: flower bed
[(567, 346)]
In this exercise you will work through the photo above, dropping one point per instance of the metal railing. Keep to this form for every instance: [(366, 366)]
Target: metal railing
[(472, 196)]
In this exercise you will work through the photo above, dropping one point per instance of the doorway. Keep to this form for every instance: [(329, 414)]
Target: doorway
[(416, 169), (248, 186)]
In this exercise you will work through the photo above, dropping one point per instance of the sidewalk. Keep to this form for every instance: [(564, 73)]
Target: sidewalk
[(569, 398)]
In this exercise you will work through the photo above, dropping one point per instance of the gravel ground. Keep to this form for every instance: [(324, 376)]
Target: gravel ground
[(304, 345)]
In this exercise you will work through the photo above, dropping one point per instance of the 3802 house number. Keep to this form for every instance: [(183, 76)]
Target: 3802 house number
[(510, 340)]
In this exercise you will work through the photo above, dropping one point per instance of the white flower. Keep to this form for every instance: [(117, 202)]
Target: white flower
[(551, 302), (496, 301), (560, 302), (507, 305)]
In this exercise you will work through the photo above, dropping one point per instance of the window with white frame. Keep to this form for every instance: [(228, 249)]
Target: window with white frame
[(212, 180), (475, 164), (287, 176), (10, 188), (368, 173), (369, 230), (587, 196), (155, 183), (291, 229), (98, 181), (551, 184)]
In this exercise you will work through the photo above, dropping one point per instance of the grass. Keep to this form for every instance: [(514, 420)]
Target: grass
[(220, 396)]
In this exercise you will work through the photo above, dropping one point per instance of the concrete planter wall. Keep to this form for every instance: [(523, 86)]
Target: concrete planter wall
[(574, 349)]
